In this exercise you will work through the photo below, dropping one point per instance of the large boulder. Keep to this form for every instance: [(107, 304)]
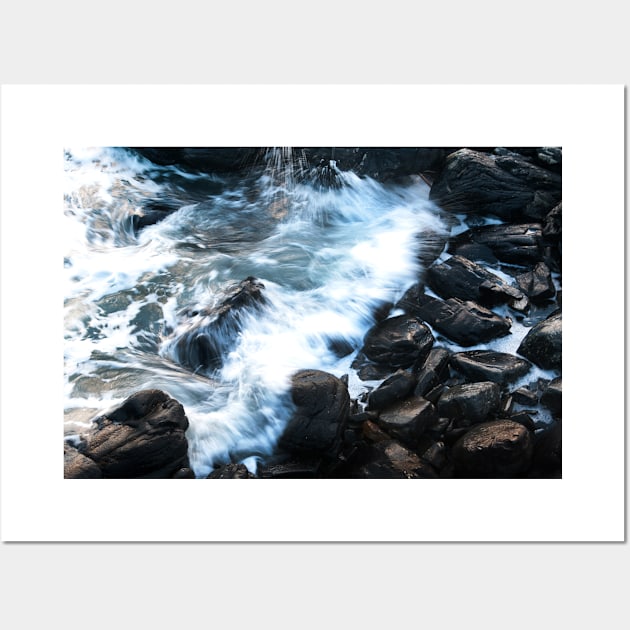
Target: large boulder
[(399, 342), (471, 402), (322, 407), (543, 343), (506, 186), (466, 323), (487, 365), (498, 449), (514, 243), (464, 279), (407, 420), (144, 437)]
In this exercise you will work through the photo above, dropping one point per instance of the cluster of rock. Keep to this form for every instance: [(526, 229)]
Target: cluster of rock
[(438, 413)]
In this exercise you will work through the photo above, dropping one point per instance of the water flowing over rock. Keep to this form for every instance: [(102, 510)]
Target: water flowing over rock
[(400, 341), (543, 343), (215, 329), (486, 365), (494, 449), (322, 407), (142, 438), (507, 186)]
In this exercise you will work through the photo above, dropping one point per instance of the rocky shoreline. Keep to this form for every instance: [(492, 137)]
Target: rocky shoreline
[(442, 410)]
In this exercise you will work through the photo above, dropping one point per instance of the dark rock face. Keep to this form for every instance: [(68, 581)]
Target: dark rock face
[(231, 471), (543, 343), (399, 342), (499, 449), (396, 387), (213, 333), (537, 284), (506, 186), (407, 420), (547, 461), (486, 365), (552, 224), (78, 466), (514, 243), (205, 160), (461, 278), (377, 162), (142, 438), (465, 323), (470, 402), (552, 396), (389, 459), (434, 371), (322, 409)]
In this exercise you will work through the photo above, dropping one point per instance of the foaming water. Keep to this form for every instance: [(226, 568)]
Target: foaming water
[(326, 258)]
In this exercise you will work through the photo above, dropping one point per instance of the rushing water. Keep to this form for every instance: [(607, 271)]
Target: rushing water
[(327, 256)]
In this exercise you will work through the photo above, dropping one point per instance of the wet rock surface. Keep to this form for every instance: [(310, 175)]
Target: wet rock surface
[(451, 404), (142, 438)]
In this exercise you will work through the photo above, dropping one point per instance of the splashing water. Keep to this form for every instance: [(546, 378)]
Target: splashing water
[(327, 258)]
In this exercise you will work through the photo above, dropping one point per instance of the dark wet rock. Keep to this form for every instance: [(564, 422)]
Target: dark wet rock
[(381, 163), (505, 186), (340, 347), (514, 243), (231, 471), (477, 252), (399, 342), (389, 459), (523, 396), (486, 365), (547, 461), (537, 284), (396, 387), (498, 449), (524, 418), (552, 396), (552, 224), (303, 467), (465, 323), (144, 437), (431, 246), (214, 330), (205, 160), (184, 473), (78, 466), (371, 432), (543, 343), (322, 407), (434, 371), (407, 420), (471, 402), (462, 278), (368, 371), (550, 158)]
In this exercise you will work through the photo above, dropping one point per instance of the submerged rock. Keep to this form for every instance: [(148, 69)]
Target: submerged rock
[(144, 437), (214, 330)]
